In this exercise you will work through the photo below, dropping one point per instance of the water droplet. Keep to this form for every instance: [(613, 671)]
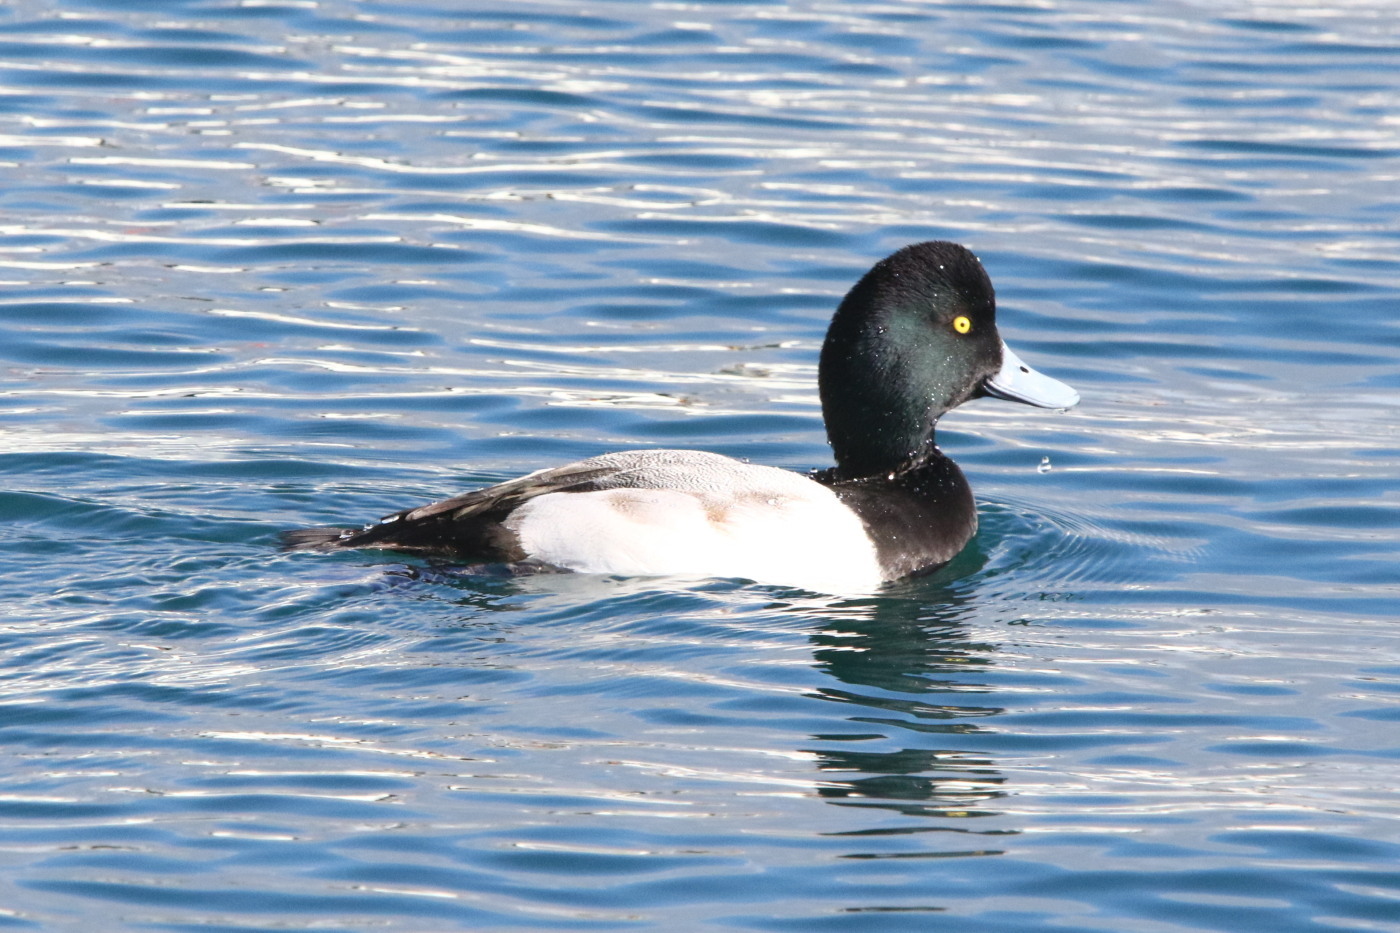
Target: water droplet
[(1044, 465)]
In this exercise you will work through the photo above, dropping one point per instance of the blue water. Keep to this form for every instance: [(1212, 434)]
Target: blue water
[(269, 264)]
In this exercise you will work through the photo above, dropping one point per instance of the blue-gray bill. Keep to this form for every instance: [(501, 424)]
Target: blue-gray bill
[(1017, 382)]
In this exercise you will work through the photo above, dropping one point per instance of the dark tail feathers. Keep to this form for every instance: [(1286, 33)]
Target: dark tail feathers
[(313, 539)]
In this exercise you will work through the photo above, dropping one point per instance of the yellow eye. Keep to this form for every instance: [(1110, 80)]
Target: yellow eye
[(962, 324)]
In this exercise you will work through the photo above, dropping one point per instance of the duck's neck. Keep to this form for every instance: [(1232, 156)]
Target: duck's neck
[(883, 387), (872, 455), (879, 418)]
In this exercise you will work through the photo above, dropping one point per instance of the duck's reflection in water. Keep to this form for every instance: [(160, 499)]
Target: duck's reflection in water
[(917, 744)]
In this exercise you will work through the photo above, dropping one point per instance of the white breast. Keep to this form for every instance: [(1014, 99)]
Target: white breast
[(697, 514)]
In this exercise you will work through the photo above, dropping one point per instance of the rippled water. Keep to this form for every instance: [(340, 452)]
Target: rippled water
[(265, 264)]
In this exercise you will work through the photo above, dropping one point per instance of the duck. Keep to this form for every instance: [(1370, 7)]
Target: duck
[(913, 339)]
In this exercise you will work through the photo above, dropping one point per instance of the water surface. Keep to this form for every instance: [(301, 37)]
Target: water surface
[(267, 264)]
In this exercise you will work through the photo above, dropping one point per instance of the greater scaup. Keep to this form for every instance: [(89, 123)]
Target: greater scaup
[(913, 339)]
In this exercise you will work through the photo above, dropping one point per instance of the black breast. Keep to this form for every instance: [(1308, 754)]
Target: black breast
[(919, 518)]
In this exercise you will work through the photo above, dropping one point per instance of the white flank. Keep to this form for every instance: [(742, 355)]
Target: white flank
[(698, 514)]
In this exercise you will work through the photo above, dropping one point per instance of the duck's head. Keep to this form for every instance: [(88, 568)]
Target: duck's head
[(915, 337)]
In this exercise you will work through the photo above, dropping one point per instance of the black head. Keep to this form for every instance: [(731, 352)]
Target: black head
[(915, 337)]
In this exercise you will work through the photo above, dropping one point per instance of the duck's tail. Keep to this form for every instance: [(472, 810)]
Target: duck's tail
[(314, 539)]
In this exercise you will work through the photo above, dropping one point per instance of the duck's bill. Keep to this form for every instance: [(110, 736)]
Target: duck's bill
[(1017, 382)]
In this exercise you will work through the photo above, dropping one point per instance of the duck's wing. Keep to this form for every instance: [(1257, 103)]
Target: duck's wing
[(640, 513), (470, 525)]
